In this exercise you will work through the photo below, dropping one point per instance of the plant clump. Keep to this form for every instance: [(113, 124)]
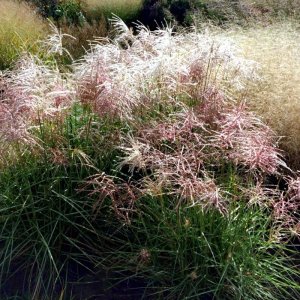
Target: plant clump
[(142, 163), (190, 149)]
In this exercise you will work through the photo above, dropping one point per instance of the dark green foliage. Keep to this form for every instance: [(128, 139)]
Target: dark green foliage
[(152, 13), (179, 8), (70, 12), (46, 8), (157, 12), (46, 219), (189, 254)]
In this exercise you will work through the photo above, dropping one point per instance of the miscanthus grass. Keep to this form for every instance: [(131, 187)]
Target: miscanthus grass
[(144, 164)]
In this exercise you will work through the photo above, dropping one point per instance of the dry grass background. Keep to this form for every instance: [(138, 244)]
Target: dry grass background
[(83, 36), (20, 28), (276, 97), (280, 7)]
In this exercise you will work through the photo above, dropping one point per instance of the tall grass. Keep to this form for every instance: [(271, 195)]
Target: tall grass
[(199, 153), (47, 223), (245, 12), (246, 8), (20, 28)]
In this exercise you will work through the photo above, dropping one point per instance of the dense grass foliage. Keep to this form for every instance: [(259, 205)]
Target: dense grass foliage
[(46, 220), (280, 8), (20, 29), (187, 253)]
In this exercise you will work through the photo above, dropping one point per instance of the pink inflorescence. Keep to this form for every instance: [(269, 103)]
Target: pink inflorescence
[(29, 93), (199, 129)]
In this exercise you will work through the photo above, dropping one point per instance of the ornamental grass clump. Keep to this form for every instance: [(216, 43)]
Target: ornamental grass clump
[(142, 163), (286, 208), (183, 86), (182, 155), (192, 156), (31, 94)]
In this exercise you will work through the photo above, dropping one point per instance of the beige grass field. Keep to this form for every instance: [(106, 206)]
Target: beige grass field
[(276, 96), (20, 28)]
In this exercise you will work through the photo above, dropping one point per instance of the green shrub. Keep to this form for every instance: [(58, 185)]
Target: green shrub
[(69, 12), (46, 7)]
